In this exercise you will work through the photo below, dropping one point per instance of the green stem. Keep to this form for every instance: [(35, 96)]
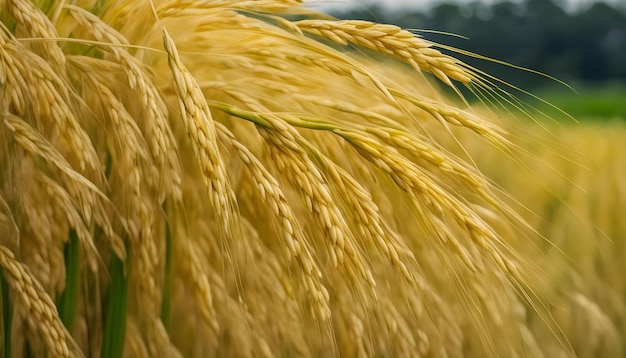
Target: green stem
[(5, 347), (167, 285), (260, 119), (115, 311), (67, 302)]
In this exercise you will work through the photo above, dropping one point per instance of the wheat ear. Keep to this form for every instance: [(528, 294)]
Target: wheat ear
[(81, 189), (157, 128), (40, 309), (393, 41), (294, 237), (201, 129), (35, 86), (35, 24)]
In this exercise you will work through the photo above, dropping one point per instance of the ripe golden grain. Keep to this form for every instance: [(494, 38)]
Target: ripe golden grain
[(33, 85), (447, 114), (41, 311), (33, 23), (201, 129), (294, 237), (600, 335), (158, 131), (134, 342), (289, 156), (197, 272), (60, 197), (391, 40), (80, 188), (370, 222)]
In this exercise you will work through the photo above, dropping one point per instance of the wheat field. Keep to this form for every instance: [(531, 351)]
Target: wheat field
[(224, 178)]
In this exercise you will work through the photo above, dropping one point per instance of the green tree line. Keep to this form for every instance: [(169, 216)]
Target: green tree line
[(587, 46)]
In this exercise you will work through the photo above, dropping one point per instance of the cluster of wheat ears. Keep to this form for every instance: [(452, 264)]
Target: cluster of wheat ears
[(254, 178)]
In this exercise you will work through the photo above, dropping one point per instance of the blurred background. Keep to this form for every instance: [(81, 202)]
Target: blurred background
[(580, 42)]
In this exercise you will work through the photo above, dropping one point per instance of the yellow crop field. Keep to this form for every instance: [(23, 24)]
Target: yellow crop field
[(225, 178)]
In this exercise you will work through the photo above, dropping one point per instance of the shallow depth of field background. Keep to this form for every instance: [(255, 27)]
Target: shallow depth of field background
[(583, 44)]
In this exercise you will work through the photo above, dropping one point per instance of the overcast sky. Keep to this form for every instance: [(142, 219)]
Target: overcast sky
[(423, 4)]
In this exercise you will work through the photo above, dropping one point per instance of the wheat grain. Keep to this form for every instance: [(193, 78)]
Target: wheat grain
[(152, 118), (8, 225), (37, 213), (285, 61), (288, 156), (97, 149), (391, 40), (133, 341), (33, 82), (128, 144), (164, 347), (201, 129), (599, 333), (151, 340), (215, 17), (128, 150), (197, 273), (62, 199), (145, 264), (33, 23), (33, 142), (373, 117), (293, 235), (83, 190), (268, 6), (409, 177), (136, 210), (267, 288), (401, 337), (234, 316), (422, 189), (42, 313), (358, 333), (422, 148), (418, 184), (156, 126), (370, 222), (322, 59)]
